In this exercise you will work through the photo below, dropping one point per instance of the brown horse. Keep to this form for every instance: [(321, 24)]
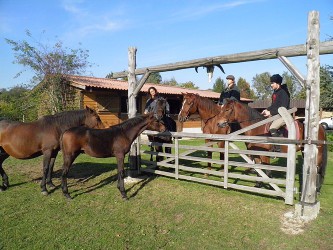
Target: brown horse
[(160, 114), (102, 143), (208, 111), (42, 137), (244, 115)]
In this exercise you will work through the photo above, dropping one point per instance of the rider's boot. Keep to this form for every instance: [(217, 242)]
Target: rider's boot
[(274, 133)]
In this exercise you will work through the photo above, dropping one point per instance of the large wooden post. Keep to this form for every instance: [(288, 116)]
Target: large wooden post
[(132, 109), (309, 206)]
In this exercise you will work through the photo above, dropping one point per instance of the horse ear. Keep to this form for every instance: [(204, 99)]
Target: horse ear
[(89, 109)]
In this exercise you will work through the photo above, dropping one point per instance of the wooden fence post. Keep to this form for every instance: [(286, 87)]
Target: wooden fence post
[(309, 206), (132, 109)]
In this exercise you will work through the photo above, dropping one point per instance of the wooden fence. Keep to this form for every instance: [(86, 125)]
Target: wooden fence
[(186, 161)]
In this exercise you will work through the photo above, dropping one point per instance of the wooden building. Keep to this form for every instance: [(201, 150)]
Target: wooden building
[(109, 98)]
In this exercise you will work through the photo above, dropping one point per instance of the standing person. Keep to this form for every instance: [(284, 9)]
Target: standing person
[(151, 102), (231, 91), (280, 98)]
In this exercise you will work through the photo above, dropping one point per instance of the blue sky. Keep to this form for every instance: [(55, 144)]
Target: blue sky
[(163, 32)]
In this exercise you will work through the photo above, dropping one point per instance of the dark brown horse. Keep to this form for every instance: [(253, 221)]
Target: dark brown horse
[(102, 143), (245, 116), (42, 137), (170, 124), (208, 111)]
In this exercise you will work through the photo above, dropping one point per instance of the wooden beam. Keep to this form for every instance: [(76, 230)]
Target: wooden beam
[(290, 51), (311, 111)]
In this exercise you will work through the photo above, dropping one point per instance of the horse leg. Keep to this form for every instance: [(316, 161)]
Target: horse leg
[(50, 171), (221, 145), (46, 163), (68, 160), (152, 150), (158, 150), (5, 182), (121, 176), (263, 160)]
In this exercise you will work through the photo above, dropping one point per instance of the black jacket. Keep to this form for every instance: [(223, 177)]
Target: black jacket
[(280, 98), (233, 94)]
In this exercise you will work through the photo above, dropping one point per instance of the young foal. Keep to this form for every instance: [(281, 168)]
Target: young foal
[(26, 140), (102, 143)]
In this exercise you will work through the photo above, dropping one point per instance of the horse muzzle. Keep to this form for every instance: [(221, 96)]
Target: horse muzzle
[(222, 124)]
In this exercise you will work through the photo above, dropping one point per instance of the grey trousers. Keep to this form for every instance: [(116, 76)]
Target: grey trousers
[(277, 123)]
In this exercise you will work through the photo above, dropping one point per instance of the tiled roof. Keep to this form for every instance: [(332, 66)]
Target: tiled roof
[(105, 83)]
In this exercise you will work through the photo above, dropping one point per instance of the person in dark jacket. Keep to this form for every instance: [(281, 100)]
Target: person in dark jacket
[(280, 98), (151, 102), (231, 91)]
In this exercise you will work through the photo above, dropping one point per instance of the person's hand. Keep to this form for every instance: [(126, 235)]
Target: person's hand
[(266, 113)]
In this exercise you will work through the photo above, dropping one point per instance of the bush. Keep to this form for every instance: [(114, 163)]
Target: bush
[(329, 137)]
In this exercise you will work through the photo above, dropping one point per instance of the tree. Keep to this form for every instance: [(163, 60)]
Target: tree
[(154, 77), (245, 89), (171, 82), (261, 85), (51, 65), (16, 104), (219, 85), (188, 85), (326, 87)]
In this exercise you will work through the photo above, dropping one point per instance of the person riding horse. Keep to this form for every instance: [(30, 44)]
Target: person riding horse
[(280, 98)]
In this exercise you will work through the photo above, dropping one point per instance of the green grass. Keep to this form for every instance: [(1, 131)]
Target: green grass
[(161, 213)]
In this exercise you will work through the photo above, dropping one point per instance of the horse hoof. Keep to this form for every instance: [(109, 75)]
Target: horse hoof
[(45, 193), (51, 185), (258, 185), (68, 197)]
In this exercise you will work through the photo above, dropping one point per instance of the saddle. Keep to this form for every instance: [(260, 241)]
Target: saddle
[(283, 131)]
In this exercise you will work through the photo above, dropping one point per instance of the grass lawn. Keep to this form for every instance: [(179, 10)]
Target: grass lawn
[(161, 213)]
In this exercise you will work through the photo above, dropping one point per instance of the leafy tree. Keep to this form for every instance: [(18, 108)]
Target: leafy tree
[(219, 85), (326, 87), (261, 85), (51, 65), (16, 104), (188, 85), (154, 77), (245, 89), (171, 82)]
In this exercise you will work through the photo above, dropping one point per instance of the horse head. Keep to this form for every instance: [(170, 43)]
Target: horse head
[(188, 107), (227, 114), (154, 123), (92, 119), (160, 107)]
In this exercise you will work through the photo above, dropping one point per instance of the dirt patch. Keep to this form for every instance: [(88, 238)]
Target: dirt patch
[(291, 224)]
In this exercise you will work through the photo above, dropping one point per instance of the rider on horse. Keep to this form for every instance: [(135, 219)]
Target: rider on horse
[(280, 98)]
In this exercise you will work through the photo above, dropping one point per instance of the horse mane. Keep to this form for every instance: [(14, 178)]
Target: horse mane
[(208, 104), (130, 123), (253, 113), (64, 118)]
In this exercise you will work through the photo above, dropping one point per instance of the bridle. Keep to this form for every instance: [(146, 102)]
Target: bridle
[(158, 118), (187, 113), (227, 122)]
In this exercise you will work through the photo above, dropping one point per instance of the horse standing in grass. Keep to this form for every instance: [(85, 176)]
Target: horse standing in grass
[(42, 137), (244, 115), (102, 143), (208, 111), (170, 124)]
